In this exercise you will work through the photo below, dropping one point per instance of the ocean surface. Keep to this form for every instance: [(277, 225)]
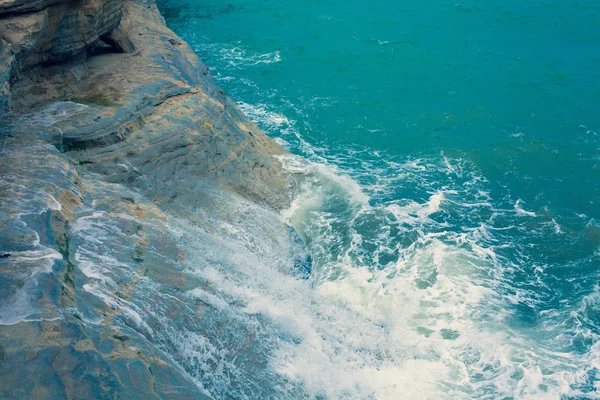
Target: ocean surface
[(451, 200)]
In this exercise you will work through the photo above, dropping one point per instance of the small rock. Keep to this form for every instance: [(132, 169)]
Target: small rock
[(31, 355)]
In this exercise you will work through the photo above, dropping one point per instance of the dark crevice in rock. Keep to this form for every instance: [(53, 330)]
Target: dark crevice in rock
[(55, 63), (172, 95), (153, 380), (20, 12), (119, 40), (77, 144), (104, 45)]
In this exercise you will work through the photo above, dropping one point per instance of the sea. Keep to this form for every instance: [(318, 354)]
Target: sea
[(450, 203)]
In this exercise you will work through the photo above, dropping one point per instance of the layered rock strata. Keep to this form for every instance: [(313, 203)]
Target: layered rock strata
[(140, 131)]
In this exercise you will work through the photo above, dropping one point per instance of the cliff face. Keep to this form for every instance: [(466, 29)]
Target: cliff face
[(141, 134), (49, 32), (152, 96), (35, 35)]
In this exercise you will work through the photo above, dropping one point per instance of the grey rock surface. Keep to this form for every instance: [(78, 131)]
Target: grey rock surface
[(44, 33), (56, 340), (157, 109), (6, 61), (110, 126)]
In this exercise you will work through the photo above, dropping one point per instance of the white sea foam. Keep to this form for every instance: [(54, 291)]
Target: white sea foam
[(433, 205), (556, 226), (209, 298), (269, 119), (53, 204), (26, 268), (240, 57), (519, 210), (429, 304), (414, 213)]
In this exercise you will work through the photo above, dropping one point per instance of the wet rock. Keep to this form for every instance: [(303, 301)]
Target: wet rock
[(6, 62), (155, 117), (142, 136), (48, 349), (49, 37)]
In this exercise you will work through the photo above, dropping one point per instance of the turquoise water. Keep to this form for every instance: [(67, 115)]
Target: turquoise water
[(452, 199)]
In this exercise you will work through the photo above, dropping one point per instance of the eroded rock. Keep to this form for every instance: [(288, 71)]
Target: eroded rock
[(140, 135)]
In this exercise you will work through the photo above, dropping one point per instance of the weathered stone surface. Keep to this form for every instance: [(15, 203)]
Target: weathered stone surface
[(142, 136), (56, 340), (59, 32), (22, 6), (155, 110), (6, 60), (45, 33)]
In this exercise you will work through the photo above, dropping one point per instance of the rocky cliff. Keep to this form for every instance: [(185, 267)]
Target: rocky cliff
[(36, 35), (105, 113), (146, 82)]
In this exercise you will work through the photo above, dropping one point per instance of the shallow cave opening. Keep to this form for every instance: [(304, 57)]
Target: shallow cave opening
[(104, 45)]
